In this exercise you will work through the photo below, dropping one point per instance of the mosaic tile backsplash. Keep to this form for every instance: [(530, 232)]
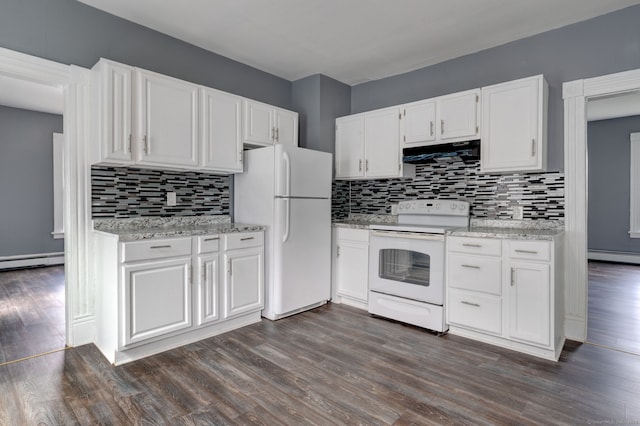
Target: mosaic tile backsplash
[(491, 195), (125, 192)]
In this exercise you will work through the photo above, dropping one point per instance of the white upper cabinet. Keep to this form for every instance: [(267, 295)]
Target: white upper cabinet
[(167, 121), (265, 124), (419, 122), (112, 93), (368, 146), (514, 126), (450, 118), (220, 134), (350, 146), (458, 116)]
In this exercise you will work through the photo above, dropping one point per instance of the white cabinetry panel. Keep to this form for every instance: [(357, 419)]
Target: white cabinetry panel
[(221, 127)]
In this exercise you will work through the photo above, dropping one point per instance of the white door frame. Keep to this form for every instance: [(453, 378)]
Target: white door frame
[(575, 95), (75, 81)]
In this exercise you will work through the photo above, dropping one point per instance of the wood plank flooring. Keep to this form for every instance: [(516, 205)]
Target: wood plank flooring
[(31, 312), (333, 365), (614, 305)]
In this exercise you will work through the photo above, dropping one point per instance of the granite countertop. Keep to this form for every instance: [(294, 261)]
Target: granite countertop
[(156, 228), (511, 229), (364, 221)]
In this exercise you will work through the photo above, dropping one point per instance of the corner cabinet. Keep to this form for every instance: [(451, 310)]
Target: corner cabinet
[(351, 267), (266, 125), (507, 292), (154, 295), (368, 146), (514, 126)]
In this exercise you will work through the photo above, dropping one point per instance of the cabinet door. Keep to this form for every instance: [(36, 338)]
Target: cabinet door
[(259, 128), (512, 126), (350, 146), (167, 120), (243, 287), (418, 123), (221, 121), (207, 298), (458, 116), (352, 264), (529, 303), (382, 143), (286, 124), (116, 111), (157, 299)]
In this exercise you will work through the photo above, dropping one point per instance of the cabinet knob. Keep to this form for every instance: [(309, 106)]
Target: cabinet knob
[(442, 127)]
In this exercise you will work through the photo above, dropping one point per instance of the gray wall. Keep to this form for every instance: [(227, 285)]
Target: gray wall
[(70, 32), (319, 100), (609, 175), (602, 45), (26, 182)]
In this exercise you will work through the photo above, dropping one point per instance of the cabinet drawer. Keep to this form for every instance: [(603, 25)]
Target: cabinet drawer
[(475, 310), (484, 246), (531, 250), (243, 240), (155, 249), (208, 243), (350, 234), (476, 273)]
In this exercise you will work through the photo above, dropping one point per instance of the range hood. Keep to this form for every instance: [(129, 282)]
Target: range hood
[(443, 153)]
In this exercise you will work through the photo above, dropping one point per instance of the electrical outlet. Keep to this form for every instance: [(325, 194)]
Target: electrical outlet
[(517, 212), (394, 208), (171, 199)]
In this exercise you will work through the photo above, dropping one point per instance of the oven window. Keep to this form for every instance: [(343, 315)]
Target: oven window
[(405, 266)]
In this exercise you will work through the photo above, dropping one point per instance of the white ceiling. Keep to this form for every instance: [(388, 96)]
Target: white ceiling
[(352, 40)]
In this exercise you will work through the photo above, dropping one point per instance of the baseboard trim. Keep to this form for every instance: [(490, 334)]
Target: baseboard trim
[(82, 332), (575, 328), (23, 261), (614, 256)]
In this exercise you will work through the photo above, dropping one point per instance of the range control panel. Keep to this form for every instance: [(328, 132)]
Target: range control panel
[(435, 207)]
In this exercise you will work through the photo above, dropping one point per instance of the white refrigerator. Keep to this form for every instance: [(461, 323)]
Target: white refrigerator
[(288, 189)]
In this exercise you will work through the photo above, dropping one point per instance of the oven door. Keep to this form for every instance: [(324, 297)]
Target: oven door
[(409, 265)]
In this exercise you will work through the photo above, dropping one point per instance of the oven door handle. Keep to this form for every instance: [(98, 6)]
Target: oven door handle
[(409, 235)]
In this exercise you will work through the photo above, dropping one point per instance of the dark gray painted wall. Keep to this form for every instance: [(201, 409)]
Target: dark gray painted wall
[(70, 32), (26, 182), (609, 179), (319, 100), (603, 45)]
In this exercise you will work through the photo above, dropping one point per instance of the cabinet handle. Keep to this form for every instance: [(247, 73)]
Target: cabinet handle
[(533, 147), (442, 127), (513, 276), (476, 305), (129, 143), (212, 239), (277, 134), (246, 238), (204, 273), (229, 266), (273, 133), (338, 252), (145, 140), (471, 245), (159, 247), (431, 127), (360, 165), (366, 165), (470, 266), (526, 251)]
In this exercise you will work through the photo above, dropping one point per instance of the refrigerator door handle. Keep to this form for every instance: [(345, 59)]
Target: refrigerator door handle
[(287, 214), (287, 167)]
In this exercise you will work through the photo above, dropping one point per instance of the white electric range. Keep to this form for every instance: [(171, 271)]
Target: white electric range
[(406, 262)]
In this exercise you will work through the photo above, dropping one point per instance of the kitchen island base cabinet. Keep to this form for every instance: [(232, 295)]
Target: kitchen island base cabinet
[(158, 294), (507, 293), (351, 267)]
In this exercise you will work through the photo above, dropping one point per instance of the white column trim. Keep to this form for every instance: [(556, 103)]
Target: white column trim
[(575, 95), (75, 83), (634, 193)]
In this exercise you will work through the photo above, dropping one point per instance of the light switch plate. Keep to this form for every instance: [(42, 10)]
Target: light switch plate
[(518, 212), (171, 199)]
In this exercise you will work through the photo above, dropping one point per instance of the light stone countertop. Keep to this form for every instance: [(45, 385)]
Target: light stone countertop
[(508, 233), (364, 221), (173, 227)]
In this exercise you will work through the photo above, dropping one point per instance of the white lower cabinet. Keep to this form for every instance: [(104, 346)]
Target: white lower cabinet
[(154, 295), (506, 292), (351, 266)]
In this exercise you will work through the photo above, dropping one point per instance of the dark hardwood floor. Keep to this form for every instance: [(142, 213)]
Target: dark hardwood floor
[(614, 306), (31, 312), (332, 365)]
